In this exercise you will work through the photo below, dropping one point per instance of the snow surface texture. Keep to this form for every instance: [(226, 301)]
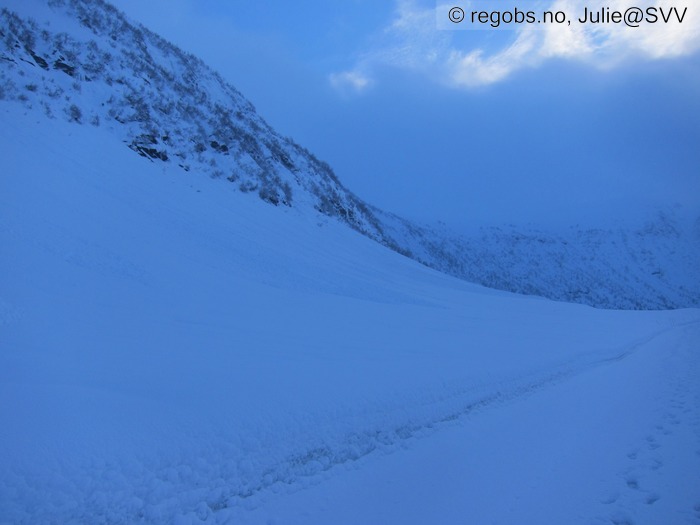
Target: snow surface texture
[(84, 62), (172, 351)]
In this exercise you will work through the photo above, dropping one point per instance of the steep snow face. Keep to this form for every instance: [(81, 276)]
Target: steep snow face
[(84, 62), (172, 351)]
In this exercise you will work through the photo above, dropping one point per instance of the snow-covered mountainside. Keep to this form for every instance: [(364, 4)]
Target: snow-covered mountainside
[(84, 62), (91, 66)]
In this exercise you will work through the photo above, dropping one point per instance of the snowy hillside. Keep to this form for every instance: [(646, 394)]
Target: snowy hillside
[(85, 63), (174, 352), (654, 265), (93, 67)]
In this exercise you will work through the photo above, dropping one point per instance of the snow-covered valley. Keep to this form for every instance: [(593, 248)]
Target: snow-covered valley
[(172, 352), (200, 324)]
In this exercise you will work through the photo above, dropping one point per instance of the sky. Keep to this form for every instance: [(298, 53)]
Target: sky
[(551, 126)]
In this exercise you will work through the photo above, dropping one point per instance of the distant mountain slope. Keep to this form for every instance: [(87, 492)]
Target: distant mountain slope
[(655, 265), (90, 65)]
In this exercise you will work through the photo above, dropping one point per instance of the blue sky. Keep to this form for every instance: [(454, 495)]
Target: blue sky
[(469, 127)]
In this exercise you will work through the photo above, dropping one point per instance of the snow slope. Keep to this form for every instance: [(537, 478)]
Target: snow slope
[(174, 352), (86, 63)]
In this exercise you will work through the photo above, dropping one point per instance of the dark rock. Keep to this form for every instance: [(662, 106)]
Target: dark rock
[(148, 152), (66, 68), (39, 61)]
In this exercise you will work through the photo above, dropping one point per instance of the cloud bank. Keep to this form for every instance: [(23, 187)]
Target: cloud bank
[(460, 59)]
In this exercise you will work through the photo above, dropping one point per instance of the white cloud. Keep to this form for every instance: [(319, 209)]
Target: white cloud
[(476, 68), (608, 45), (413, 41), (350, 81)]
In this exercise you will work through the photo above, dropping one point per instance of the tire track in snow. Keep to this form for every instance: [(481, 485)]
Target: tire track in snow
[(360, 444)]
